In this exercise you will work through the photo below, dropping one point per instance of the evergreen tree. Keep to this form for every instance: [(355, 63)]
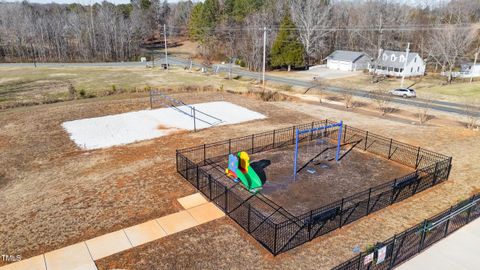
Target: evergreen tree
[(203, 19), (287, 50), (239, 9)]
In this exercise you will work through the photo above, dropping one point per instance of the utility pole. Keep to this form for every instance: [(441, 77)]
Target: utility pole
[(264, 55), (474, 64), (405, 65), (165, 38)]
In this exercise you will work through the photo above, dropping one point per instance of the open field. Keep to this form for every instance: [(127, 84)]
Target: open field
[(430, 86), (54, 194), (29, 85)]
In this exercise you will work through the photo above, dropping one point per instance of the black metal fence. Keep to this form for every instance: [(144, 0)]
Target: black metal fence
[(405, 245), (273, 226)]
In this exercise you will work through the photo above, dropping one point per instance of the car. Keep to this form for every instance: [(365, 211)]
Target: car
[(404, 92)]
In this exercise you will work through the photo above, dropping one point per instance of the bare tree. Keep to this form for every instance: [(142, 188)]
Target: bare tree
[(347, 99), (423, 110), (449, 44), (471, 113), (383, 101), (312, 20)]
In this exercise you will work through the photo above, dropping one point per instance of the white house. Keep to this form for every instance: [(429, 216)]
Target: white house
[(348, 60), (470, 70), (395, 63)]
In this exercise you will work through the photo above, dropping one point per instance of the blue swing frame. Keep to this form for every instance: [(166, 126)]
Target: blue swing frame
[(300, 132)]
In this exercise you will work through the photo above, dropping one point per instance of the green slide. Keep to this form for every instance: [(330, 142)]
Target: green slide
[(250, 179)]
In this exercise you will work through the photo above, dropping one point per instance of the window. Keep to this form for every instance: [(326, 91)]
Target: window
[(401, 70), (393, 58), (411, 70), (418, 69), (395, 69), (385, 57), (415, 59), (402, 58)]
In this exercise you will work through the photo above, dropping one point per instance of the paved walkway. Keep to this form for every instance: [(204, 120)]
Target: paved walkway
[(458, 251), (81, 256)]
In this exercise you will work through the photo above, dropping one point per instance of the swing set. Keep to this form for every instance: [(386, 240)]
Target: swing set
[(299, 132)]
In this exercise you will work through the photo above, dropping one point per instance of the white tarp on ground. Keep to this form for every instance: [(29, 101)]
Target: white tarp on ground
[(120, 129)]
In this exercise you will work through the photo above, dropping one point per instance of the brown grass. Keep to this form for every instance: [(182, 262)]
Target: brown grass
[(57, 195)]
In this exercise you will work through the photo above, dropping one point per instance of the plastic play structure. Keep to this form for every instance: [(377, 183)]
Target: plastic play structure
[(239, 169), (300, 132)]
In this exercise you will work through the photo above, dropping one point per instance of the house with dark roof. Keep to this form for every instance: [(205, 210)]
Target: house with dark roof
[(348, 60), (397, 64)]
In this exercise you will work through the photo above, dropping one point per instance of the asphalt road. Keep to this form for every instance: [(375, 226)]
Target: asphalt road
[(438, 105)]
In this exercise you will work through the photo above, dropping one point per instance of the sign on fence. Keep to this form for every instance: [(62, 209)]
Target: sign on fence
[(368, 259), (382, 252)]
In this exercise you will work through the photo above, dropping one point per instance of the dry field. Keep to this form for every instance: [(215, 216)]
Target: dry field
[(53, 194)]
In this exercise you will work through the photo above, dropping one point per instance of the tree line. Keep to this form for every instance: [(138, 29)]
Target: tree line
[(100, 32), (299, 32), (303, 32)]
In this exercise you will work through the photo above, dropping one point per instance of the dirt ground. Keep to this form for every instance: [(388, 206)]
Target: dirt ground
[(320, 180), (53, 194)]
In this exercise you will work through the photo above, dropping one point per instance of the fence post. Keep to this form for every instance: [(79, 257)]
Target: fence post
[(310, 225), (341, 213), (345, 134), (248, 218), (449, 167), (176, 159), (210, 185), (366, 139), (229, 146), (390, 264), (359, 261), (275, 241), (470, 209), (198, 184), (393, 191), (418, 156), (448, 222), (368, 201), (253, 146), (422, 237), (435, 174), (204, 154), (226, 199), (390, 148), (274, 138)]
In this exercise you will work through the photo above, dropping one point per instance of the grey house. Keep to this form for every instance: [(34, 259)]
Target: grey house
[(395, 63), (348, 60)]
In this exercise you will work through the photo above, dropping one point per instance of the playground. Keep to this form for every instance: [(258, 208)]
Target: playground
[(309, 179), (321, 180)]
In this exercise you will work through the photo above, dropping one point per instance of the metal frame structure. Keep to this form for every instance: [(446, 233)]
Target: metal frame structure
[(170, 102), (299, 132)]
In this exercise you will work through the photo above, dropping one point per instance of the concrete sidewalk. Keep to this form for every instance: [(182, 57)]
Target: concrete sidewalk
[(82, 256), (458, 251)]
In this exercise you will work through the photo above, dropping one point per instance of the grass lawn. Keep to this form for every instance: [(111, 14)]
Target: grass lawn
[(43, 84), (429, 86)]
